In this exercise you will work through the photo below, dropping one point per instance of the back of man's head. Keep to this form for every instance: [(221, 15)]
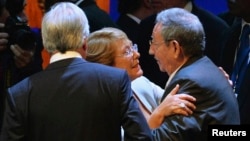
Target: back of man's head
[(64, 28)]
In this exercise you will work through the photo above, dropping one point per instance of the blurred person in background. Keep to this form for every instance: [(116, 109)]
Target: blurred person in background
[(20, 54), (236, 55), (131, 13)]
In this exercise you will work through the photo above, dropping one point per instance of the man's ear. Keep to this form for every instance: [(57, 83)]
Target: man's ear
[(177, 48), (83, 49), (84, 46)]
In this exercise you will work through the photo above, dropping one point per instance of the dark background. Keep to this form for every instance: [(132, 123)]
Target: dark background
[(214, 6)]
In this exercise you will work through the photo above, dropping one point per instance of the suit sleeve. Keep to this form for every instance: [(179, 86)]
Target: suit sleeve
[(13, 125), (179, 127), (133, 122)]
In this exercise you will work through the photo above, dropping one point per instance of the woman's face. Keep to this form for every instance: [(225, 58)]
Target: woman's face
[(127, 57)]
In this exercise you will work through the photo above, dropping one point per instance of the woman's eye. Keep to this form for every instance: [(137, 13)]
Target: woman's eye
[(127, 52)]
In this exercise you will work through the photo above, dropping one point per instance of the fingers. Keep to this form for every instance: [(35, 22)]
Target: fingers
[(16, 50), (3, 43), (22, 57), (175, 90), (220, 68), (230, 82), (188, 101), (187, 97), (189, 105), (177, 103), (224, 72), (20, 52), (1, 25), (185, 104), (185, 108), (184, 111), (226, 75), (182, 105), (3, 39), (4, 35), (189, 111)]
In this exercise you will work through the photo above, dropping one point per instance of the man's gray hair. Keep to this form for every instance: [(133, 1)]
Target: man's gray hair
[(184, 27), (64, 28)]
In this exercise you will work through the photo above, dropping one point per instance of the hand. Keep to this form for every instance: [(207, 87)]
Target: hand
[(3, 38), (172, 104), (226, 75), (22, 57), (177, 103)]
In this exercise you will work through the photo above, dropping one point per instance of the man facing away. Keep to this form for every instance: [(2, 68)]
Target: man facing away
[(72, 99)]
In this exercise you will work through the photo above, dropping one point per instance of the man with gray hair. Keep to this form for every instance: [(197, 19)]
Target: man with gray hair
[(72, 99), (178, 42)]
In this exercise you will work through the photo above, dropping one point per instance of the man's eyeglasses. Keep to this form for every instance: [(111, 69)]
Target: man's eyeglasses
[(151, 43), (130, 51)]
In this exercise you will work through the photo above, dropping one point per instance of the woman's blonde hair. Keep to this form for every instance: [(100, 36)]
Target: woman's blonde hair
[(101, 45)]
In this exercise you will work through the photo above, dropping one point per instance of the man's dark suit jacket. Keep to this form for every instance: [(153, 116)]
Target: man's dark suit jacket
[(227, 62), (97, 17), (214, 28), (129, 26), (73, 100), (215, 102), (227, 17)]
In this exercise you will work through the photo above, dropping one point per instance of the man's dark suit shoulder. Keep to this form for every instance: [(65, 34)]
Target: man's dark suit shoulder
[(97, 17), (129, 26)]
